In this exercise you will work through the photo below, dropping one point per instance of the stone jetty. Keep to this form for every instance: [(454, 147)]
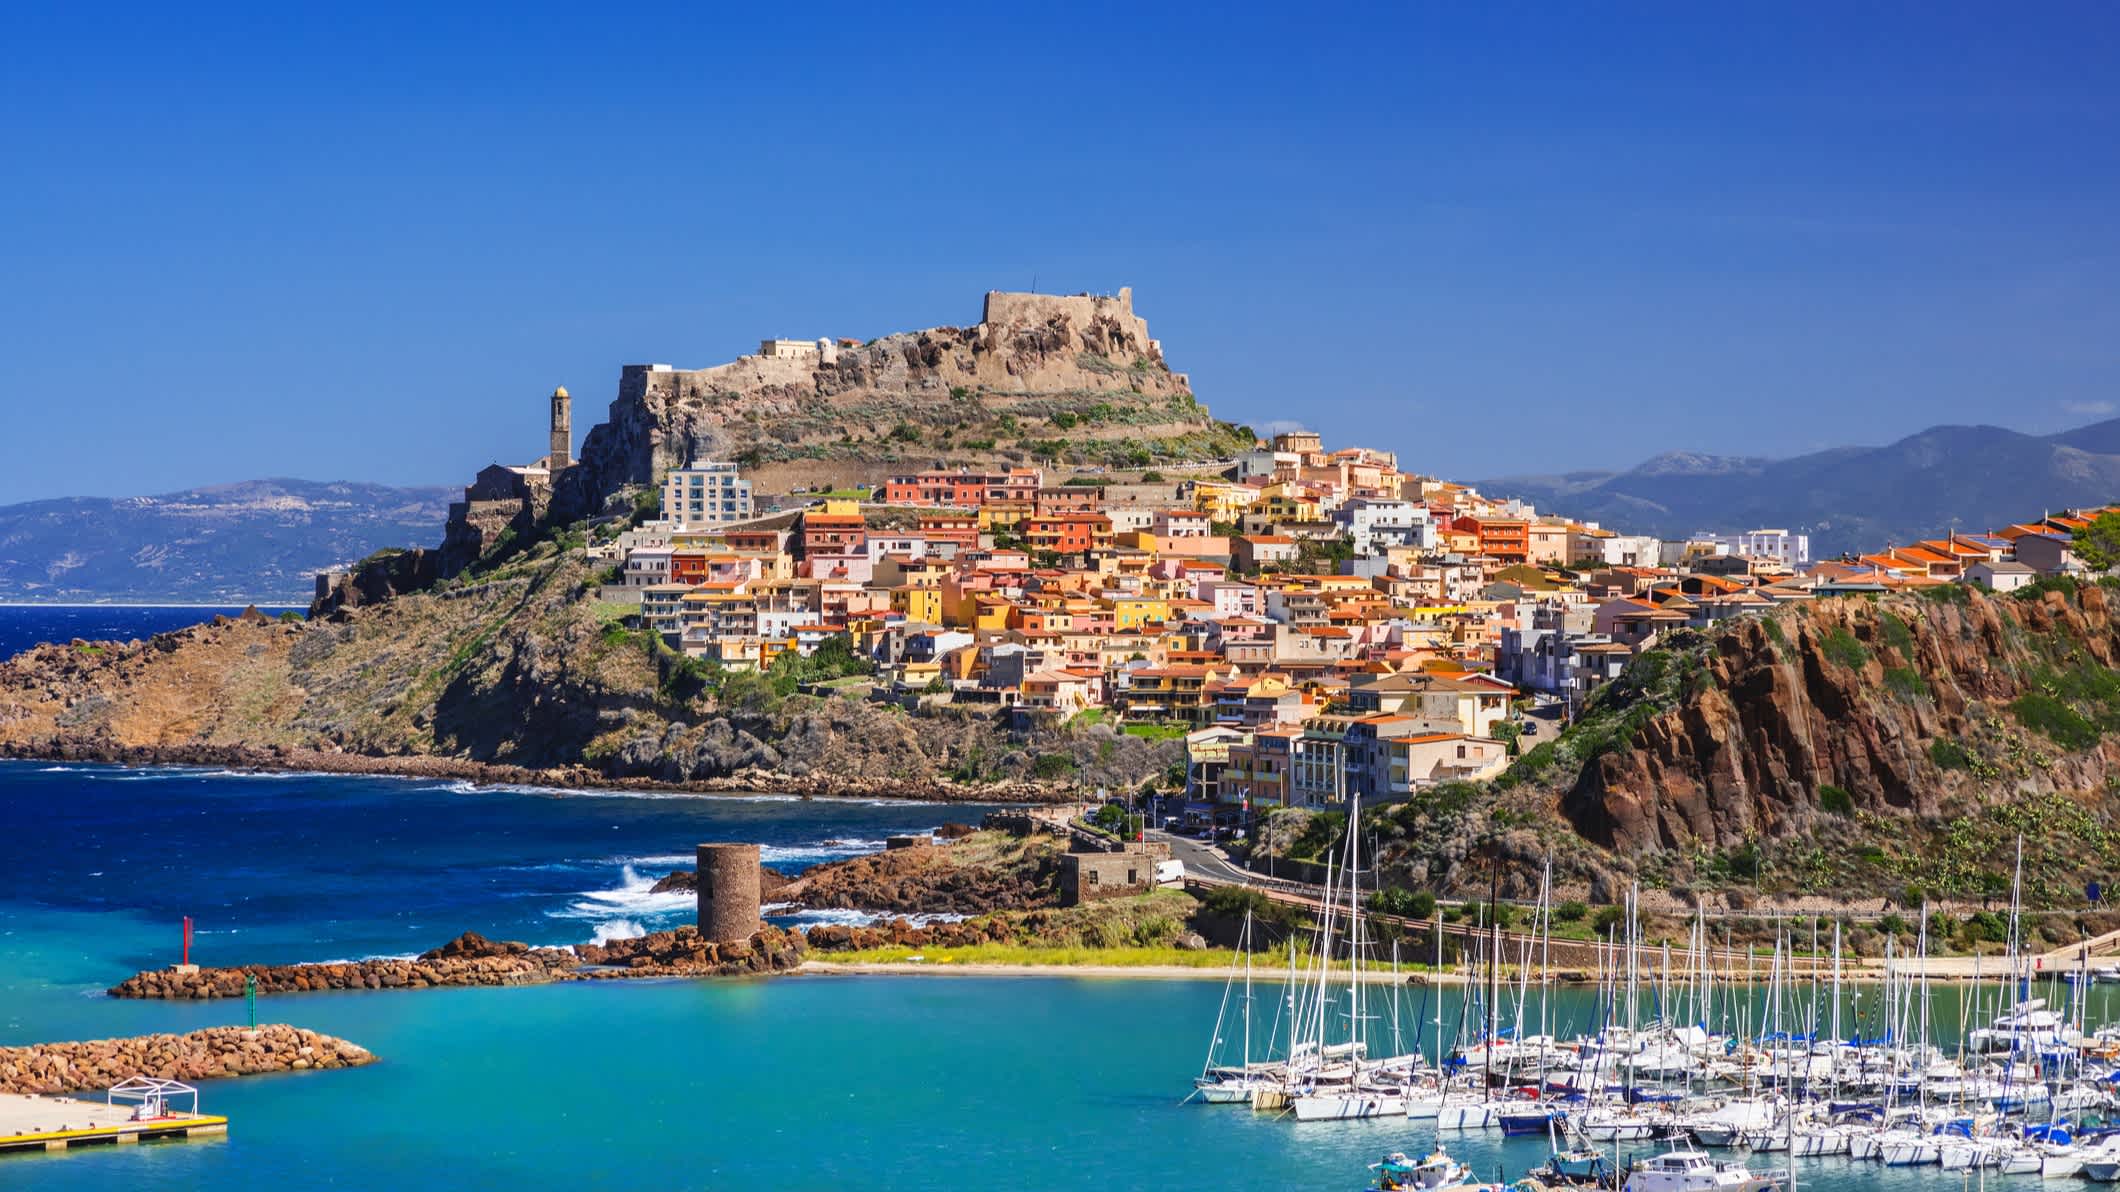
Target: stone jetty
[(472, 959), (200, 1055)]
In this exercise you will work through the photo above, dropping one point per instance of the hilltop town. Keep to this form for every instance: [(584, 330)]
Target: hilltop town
[(1310, 623)]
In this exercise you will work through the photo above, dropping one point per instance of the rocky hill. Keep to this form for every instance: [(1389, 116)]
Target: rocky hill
[(1842, 747), (1040, 379), (1946, 478), (516, 672), (260, 540)]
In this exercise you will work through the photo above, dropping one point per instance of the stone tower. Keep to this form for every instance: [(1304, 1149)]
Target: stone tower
[(562, 430), (727, 888)]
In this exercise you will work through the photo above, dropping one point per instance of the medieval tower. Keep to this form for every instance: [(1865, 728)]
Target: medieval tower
[(562, 431)]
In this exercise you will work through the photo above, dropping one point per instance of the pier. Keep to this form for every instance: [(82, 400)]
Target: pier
[(29, 1123)]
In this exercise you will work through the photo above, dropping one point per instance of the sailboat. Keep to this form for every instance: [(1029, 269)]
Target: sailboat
[(1224, 1085), (1359, 1088)]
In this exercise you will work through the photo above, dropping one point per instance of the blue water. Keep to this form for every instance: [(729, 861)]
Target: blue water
[(793, 1082), (26, 625)]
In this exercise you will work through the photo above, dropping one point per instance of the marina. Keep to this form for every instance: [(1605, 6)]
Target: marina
[(1673, 1052)]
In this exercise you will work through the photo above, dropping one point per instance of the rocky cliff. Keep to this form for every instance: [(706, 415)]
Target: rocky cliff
[(1858, 738), (1041, 378)]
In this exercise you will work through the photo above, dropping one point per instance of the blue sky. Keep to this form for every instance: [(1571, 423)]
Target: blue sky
[(1498, 238)]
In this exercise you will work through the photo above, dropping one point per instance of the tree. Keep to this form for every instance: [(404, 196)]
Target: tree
[(2098, 544)]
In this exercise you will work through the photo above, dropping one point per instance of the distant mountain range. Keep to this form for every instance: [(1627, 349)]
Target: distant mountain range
[(1963, 478), (257, 540)]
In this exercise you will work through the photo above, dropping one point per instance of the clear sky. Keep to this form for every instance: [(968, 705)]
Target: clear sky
[(1498, 238)]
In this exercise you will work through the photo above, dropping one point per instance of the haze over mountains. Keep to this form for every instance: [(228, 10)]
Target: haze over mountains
[(256, 540), (1945, 478)]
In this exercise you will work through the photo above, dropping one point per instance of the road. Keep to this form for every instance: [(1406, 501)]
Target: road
[(1207, 861)]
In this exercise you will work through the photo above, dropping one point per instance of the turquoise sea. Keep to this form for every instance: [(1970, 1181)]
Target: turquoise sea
[(794, 1082)]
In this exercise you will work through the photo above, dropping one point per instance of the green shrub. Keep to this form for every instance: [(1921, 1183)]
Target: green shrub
[(2061, 723), (1607, 918), (1950, 755), (1835, 799), (1896, 634), (1570, 911), (1906, 682), (1841, 647), (1052, 765)]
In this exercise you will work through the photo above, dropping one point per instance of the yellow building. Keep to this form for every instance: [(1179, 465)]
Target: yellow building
[(920, 603), (1137, 612), (1222, 501)]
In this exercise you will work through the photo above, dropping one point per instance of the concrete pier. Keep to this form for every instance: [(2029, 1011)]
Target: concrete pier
[(728, 892), (58, 1123)]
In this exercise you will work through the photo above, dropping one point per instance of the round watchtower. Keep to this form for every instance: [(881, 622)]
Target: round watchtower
[(728, 892)]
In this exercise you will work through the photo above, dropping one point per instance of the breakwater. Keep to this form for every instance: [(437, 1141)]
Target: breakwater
[(200, 1055), (473, 960)]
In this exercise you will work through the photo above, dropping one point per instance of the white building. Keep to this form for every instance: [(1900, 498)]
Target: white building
[(1790, 550), (1376, 524), (709, 493)]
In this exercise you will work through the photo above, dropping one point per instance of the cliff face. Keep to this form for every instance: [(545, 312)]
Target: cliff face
[(1846, 712), (1038, 375)]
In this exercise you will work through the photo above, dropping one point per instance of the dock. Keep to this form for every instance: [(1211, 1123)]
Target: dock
[(30, 1123)]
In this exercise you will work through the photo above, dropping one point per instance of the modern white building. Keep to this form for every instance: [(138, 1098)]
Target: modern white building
[(709, 493), (1375, 524), (1791, 550)]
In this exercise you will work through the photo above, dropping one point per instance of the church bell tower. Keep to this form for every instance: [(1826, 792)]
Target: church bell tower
[(562, 430)]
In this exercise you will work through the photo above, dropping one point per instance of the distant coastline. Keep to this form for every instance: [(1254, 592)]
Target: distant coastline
[(744, 782)]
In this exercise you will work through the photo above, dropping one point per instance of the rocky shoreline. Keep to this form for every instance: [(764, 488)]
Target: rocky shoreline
[(201, 1055), (750, 781), (473, 960)]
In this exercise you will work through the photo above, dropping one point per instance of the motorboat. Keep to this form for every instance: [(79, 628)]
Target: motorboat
[(1397, 1172), (1693, 1171)]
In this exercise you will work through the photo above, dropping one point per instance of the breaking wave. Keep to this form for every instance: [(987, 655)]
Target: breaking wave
[(628, 910)]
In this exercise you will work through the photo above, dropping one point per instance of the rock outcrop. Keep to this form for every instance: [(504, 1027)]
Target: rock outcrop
[(1078, 368), (686, 953), (201, 1055), (1909, 708), (984, 872)]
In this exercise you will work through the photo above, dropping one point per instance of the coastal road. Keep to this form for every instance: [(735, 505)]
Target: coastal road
[(1204, 860)]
